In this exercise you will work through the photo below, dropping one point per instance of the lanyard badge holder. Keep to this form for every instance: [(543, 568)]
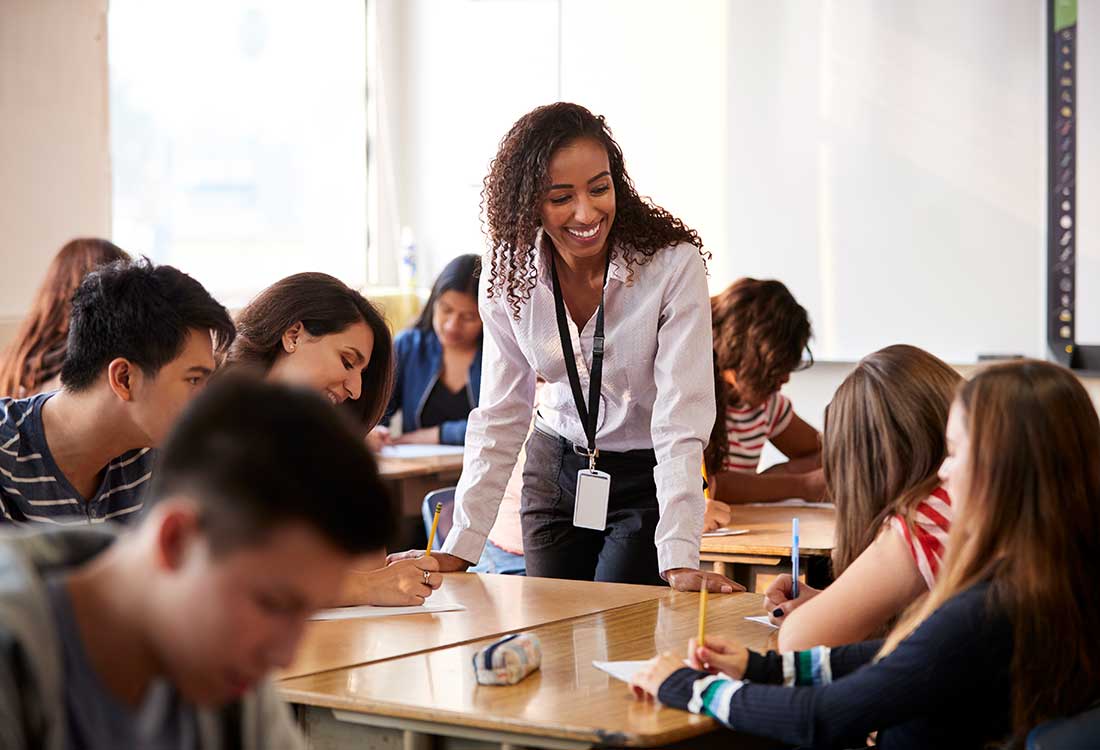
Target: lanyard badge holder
[(593, 486)]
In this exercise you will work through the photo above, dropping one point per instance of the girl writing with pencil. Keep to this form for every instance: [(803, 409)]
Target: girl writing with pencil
[(1011, 623), (883, 446), (761, 334), (313, 331)]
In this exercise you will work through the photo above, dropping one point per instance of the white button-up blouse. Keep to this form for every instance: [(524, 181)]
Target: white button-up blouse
[(657, 392)]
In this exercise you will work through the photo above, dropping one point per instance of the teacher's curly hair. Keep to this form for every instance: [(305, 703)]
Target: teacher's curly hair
[(518, 182)]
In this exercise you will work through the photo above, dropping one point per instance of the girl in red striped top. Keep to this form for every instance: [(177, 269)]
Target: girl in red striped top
[(760, 334), (882, 448)]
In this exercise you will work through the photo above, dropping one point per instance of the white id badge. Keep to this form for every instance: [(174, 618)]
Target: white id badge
[(593, 491)]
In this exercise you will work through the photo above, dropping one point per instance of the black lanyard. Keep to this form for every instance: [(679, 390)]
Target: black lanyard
[(588, 415)]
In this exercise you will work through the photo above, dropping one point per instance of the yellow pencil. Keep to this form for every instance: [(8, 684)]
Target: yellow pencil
[(435, 522), (702, 613)]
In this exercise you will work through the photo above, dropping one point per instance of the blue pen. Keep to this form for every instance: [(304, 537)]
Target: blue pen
[(794, 558)]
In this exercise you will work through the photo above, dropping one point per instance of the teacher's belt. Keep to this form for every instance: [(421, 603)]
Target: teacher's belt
[(645, 454)]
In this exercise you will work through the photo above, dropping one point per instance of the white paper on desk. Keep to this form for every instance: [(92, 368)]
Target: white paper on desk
[(792, 503), (420, 451), (763, 620), (726, 532), (367, 611), (624, 670), (620, 670)]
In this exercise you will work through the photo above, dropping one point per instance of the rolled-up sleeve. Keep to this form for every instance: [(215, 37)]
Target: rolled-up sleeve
[(683, 413), (495, 429)]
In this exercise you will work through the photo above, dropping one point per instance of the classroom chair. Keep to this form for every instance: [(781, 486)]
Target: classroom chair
[(446, 516), (1080, 732)]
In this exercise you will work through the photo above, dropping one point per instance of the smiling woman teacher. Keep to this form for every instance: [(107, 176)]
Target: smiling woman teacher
[(604, 296)]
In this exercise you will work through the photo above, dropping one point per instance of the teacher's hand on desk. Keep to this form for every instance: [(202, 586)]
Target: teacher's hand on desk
[(447, 563), (405, 583), (690, 579)]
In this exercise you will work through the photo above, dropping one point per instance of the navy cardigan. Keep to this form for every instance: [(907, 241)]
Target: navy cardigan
[(419, 358)]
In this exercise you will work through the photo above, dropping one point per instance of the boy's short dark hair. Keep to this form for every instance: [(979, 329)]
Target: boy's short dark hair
[(139, 311), (257, 455)]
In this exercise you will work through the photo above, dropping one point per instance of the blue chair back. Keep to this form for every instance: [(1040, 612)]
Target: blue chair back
[(446, 516), (1080, 732)]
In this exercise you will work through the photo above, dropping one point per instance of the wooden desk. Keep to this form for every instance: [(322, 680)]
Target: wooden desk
[(494, 605), (422, 700), (754, 558), (392, 469), (409, 480)]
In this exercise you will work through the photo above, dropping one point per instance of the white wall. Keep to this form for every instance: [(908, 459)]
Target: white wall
[(887, 163), (55, 171), (461, 72), (885, 159), (811, 391)]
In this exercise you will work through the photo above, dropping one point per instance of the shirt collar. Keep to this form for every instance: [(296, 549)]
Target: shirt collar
[(617, 270)]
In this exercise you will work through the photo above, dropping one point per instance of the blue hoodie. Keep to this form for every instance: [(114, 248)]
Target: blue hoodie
[(419, 364)]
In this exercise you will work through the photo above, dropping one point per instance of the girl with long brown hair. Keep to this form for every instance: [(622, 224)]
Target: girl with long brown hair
[(1007, 638), (760, 333), (604, 295), (882, 448), (33, 360), (312, 330)]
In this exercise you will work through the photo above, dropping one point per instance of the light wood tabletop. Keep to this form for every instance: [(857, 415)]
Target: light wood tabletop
[(391, 468), (411, 479), (494, 604), (770, 531), (567, 698)]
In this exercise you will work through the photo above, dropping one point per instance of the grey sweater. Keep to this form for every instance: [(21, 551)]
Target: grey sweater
[(32, 713)]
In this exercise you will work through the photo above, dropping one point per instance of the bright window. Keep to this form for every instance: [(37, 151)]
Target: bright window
[(238, 138)]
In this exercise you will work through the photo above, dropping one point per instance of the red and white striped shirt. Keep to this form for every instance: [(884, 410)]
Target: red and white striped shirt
[(928, 539), (749, 427)]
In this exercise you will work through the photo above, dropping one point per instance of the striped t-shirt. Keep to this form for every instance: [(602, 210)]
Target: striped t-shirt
[(928, 539), (32, 487), (749, 427)]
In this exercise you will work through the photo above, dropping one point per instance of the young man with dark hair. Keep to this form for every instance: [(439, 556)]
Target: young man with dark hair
[(162, 637), (142, 342)]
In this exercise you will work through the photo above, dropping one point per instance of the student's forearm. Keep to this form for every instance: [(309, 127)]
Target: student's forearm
[(753, 704), (733, 487)]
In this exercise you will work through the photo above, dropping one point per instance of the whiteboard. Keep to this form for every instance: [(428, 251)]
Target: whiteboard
[(887, 161)]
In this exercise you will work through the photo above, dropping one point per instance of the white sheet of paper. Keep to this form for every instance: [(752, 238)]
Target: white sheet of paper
[(763, 620), (726, 532), (620, 670), (420, 451), (792, 503), (624, 670), (367, 611)]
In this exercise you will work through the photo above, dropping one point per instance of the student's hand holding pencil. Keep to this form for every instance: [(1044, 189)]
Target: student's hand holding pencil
[(405, 583), (718, 654), (777, 599), (379, 438), (647, 681), (716, 516)]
